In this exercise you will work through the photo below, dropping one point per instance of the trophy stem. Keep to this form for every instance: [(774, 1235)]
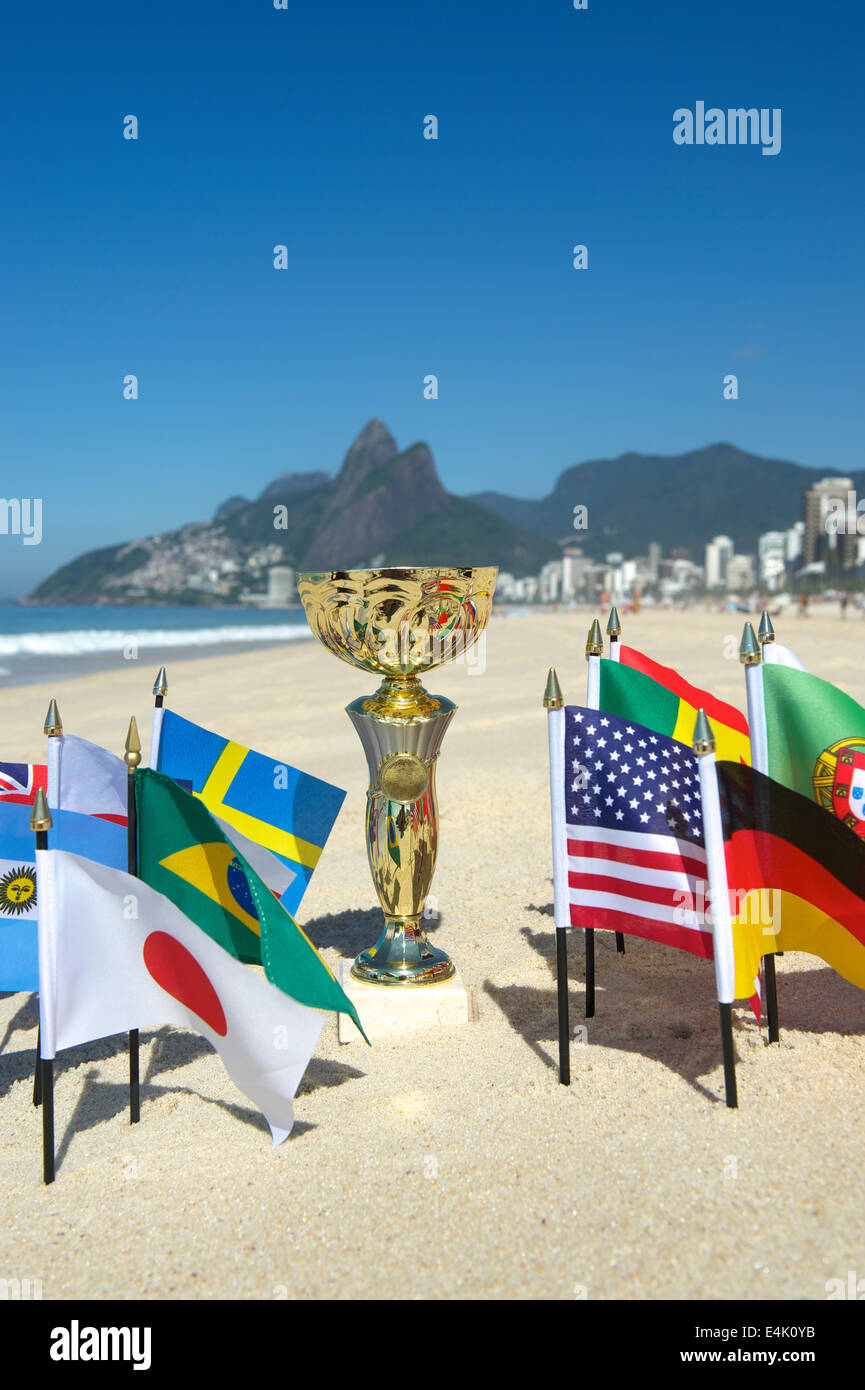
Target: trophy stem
[(402, 749)]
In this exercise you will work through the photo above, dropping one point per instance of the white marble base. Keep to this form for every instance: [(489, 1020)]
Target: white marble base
[(391, 1011)]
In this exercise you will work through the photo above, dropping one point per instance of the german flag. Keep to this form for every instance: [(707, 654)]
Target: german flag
[(635, 687), (779, 840)]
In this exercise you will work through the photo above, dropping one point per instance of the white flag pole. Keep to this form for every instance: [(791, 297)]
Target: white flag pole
[(40, 823), (160, 689), (554, 705), (751, 656), (594, 652), (132, 759), (53, 729), (614, 632), (722, 930)]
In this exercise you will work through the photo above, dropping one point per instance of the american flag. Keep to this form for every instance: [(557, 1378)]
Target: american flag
[(635, 850), (19, 782)]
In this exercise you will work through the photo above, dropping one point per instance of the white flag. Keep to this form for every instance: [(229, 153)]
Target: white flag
[(86, 778), (776, 655), (114, 955)]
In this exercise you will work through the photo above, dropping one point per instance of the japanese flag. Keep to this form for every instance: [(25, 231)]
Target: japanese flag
[(114, 955)]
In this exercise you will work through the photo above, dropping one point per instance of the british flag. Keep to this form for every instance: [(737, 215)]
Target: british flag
[(19, 782)]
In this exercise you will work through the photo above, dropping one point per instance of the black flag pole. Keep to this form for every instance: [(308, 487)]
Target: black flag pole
[(722, 931), (751, 657), (132, 757), (554, 704), (730, 1093), (40, 823), (614, 632)]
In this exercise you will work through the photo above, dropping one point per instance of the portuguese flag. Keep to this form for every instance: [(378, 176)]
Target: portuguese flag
[(634, 687), (798, 875), (816, 740), (184, 855)]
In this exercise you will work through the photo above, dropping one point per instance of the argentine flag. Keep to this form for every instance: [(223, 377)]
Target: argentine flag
[(19, 899)]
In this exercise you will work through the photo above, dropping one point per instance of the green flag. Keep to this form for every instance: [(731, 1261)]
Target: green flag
[(631, 694), (184, 855), (816, 741)]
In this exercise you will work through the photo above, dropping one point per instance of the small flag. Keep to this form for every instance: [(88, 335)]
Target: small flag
[(636, 853), (815, 736), (116, 955), (813, 864), (86, 778), (183, 853), (279, 818), (19, 782), (635, 687), (19, 966), (19, 900)]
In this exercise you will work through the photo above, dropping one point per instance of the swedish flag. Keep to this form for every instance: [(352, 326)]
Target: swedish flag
[(256, 800)]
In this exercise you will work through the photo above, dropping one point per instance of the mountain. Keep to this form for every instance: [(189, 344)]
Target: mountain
[(388, 507), (384, 506), (286, 485), (683, 500)]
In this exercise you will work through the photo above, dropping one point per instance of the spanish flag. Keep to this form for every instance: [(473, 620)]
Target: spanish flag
[(780, 842), (635, 687)]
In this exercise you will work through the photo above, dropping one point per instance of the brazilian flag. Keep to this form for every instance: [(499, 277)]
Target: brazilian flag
[(184, 855)]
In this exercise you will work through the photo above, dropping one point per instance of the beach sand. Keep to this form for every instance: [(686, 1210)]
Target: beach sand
[(453, 1164)]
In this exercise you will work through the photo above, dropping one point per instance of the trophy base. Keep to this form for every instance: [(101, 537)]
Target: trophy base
[(403, 957), (401, 1015)]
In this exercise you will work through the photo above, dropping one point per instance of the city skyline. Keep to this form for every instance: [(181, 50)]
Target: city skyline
[(228, 556)]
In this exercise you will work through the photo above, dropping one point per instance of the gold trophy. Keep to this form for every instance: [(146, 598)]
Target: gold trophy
[(397, 622)]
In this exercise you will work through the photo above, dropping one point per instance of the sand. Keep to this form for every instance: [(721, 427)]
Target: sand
[(453, 1164)]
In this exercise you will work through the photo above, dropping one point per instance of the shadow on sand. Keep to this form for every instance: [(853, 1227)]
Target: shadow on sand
[(681, 1031), (166, 1050)]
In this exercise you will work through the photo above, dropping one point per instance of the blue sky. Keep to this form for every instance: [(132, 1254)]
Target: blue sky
[(409, 256)]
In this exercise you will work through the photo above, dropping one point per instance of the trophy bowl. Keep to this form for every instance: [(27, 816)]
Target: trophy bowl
[(397, 623)]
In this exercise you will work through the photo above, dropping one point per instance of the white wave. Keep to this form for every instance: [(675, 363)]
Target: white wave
[(85, 641)]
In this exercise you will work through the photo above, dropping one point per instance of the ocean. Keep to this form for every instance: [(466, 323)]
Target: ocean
[(48, 643)]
